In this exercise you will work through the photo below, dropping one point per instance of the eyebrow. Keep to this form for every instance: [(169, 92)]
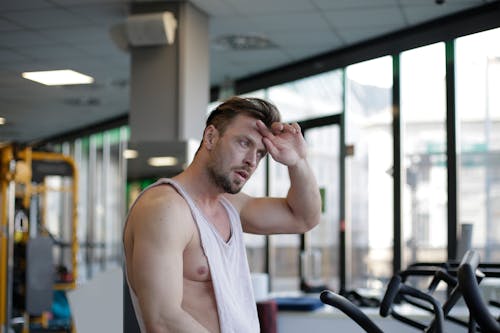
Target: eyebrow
[(263, 150)]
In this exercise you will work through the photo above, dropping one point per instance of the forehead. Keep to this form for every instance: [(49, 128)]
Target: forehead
[(241, 122), (244, 125)]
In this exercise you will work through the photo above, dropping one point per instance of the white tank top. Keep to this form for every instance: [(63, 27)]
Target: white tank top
[(228, 268)]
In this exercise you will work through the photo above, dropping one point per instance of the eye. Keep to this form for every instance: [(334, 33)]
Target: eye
[(244, 143)]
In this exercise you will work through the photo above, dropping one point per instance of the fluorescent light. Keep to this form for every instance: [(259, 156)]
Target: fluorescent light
[(162, 161), (130, 154), (59, 77), (2, 121)]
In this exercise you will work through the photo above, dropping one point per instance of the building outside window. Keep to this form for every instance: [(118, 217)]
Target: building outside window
[(423, 111), (478, 110)]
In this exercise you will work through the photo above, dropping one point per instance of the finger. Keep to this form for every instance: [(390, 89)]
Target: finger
[(277, 128), (271, 148), (289, 128), (263, 129), (297, 127)]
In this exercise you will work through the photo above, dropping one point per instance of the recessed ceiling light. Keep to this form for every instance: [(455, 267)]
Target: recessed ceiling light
[(2, 121), (58, 77), (162, 161), (130, 154)]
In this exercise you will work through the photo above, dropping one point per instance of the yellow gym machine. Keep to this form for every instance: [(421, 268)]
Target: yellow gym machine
[(36, 262)]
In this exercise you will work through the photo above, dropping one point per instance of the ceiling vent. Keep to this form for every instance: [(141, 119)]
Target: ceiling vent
[(243, 42)]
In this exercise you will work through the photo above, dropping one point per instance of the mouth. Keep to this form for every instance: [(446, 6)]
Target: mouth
[(244, 175)]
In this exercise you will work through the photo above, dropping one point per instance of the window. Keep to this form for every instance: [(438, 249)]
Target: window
[(478, 110), (423, 112), (312, 97), (369, 188)]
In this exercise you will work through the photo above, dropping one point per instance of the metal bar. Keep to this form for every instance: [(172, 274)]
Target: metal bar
[(342, 189), (452, 149), (397, 165), (10, 245)]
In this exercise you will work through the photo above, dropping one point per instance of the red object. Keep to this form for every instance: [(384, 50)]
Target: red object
[(268, 316)]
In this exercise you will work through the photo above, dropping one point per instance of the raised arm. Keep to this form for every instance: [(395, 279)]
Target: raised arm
[(154, 243), (300, 210)]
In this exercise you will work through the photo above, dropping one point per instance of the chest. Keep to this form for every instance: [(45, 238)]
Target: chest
[(219, 220), (217, 224)]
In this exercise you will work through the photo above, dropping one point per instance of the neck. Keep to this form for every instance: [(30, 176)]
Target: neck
[(198, 184)]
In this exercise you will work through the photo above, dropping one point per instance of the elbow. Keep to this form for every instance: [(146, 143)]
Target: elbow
[(314, 217), (310, 222)]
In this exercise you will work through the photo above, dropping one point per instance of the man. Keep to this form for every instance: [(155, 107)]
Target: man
[(185, 257)]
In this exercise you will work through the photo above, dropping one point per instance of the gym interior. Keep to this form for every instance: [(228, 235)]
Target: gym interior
[(398, 101)]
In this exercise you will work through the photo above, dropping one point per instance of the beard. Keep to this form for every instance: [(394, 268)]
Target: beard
[(222, 180), (220, 177)]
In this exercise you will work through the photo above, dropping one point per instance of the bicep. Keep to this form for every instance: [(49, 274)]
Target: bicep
[(157, 276), (156, 263)]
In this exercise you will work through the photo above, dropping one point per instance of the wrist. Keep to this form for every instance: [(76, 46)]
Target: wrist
[(299, 164)]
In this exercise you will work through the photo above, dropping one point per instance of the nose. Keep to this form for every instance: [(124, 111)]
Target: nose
[(251, 158)]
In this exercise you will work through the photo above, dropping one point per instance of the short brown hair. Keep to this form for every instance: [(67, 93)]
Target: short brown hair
[(257, 108)]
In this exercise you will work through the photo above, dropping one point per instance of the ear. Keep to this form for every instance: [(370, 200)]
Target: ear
[(210, 136)]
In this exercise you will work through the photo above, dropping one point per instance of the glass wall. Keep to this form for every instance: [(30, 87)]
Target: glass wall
[(101, 205), (423, 111), (303, 99), (324, 157), (478, 109), (369, 185)]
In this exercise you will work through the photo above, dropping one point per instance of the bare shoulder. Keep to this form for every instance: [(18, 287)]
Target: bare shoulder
[(159, 211)]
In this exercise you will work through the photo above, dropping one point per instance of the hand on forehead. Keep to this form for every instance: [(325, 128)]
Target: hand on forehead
[(277, 128)]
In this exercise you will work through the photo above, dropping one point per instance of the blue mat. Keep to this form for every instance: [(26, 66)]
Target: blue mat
[(298, 303)]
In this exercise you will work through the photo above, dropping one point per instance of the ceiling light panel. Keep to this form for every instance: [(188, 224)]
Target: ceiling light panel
[(58, 77)]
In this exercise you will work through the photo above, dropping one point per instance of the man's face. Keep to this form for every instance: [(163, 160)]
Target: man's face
[(236, 154)]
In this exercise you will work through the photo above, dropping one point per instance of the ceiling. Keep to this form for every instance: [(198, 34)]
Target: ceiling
[(74, 34)]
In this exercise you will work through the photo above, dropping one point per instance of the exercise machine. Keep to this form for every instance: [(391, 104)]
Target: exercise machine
[(38, 238), (398, 291), (468, 281)]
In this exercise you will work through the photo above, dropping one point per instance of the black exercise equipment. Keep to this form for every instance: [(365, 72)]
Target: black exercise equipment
[(469, 285), (351, 310), (465, 285)]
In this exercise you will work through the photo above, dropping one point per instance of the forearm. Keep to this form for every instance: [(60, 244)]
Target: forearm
[(303, 197)]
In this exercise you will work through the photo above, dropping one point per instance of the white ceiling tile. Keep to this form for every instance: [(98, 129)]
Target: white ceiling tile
[(355, 35), (446, 2), (54, 52), (13, 5), (46, 18), (101, 13), (270, 7), (231, 25), (68, 3), (343, 4), (349, 18), (8, 57), (8, 26), (304, 38), (289, 22), (255, 56), (99, 49), (421, 13), (23, 38), (78, 35), (300, 53), (214, 8)]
